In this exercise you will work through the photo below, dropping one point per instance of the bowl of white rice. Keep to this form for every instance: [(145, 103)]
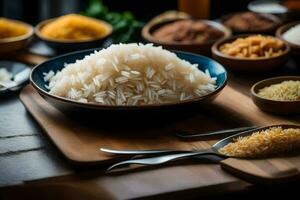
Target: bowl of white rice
[(290, 33), (128, 77)]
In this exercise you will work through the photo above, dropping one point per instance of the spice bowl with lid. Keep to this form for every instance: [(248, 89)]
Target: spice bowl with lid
[(282, 103)]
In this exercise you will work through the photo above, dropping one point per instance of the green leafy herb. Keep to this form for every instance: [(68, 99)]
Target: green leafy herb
[(126, 27)]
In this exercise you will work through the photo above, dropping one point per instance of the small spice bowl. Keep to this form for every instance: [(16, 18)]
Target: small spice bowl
[(295, 49), (273, 106), (8, 45), (248, 64), (276, 22), (71, 45), (195, 47)]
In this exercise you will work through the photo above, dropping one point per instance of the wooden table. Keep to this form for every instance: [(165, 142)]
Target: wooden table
[(31, 167)]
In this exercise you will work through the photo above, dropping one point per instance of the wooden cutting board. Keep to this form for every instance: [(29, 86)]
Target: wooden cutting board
[(80, 143)]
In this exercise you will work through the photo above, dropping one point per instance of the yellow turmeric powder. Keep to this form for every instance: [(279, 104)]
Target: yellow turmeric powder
[(10, 28), (74, 27)]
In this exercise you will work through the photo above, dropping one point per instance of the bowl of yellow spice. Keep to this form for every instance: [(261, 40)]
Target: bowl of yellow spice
[(73, 32), (280, 95), (14, 35)]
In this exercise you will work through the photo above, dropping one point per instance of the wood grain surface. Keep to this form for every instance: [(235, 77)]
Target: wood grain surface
[(70, 136), (81, 142), (25, 153), (33, 167)]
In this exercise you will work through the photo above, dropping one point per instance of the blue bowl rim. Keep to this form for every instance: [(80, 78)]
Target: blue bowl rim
[(102, 106)]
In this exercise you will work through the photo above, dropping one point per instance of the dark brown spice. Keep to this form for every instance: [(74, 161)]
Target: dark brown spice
[(189, 31), (248, 21)]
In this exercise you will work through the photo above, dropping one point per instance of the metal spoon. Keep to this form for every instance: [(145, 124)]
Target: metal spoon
[(166, 158), (214, 150), (142, 152)]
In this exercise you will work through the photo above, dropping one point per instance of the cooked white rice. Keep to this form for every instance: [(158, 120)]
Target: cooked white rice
[(130, 74), (5, 75), (292, 35)]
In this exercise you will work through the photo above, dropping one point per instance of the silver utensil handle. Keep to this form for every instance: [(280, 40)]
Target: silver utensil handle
[(161, 159), (141, 152), (186, 135)]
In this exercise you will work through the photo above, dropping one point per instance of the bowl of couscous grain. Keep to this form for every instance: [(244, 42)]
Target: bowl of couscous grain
[(73, 32), (279, 95), (14, 35)]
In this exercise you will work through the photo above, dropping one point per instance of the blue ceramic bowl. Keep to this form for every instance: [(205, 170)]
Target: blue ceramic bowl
[(57, 63)]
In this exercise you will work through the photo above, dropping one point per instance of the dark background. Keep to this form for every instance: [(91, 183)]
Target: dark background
[(33, 11)]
